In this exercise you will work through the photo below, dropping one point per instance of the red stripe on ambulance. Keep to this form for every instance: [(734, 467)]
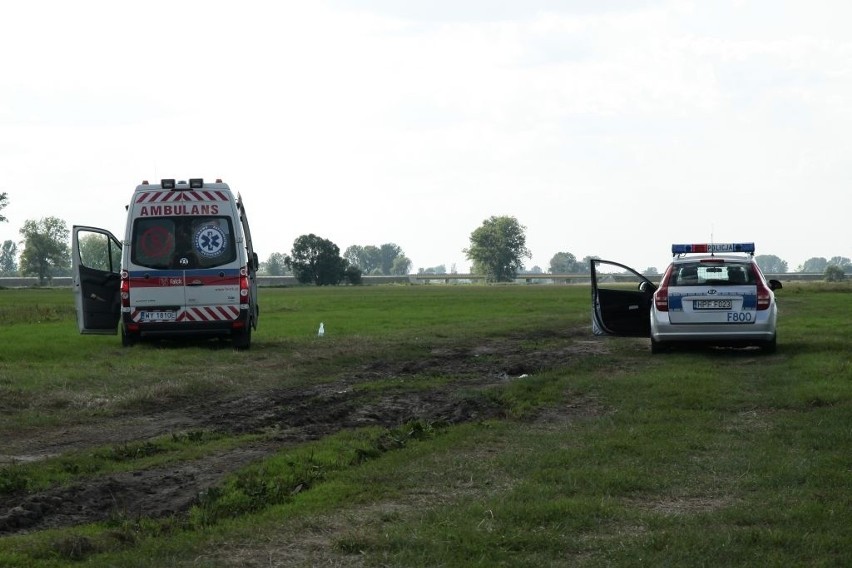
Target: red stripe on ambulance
[(177, 196)]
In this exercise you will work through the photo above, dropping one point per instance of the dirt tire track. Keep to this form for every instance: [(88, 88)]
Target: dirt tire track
[(290, 415)]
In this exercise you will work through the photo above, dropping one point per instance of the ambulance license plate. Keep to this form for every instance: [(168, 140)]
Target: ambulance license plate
[(711, 304), (158, 316)]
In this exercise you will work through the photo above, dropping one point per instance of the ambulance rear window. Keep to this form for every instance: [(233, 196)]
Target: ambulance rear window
[(183, 242)]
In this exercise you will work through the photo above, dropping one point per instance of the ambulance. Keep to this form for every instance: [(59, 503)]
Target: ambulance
[(185, 268)]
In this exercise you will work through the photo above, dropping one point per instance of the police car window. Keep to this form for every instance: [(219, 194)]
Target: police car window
[(685, 275), (696, 274)]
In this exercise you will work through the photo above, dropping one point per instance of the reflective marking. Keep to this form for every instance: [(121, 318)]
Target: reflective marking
[(177, 196)]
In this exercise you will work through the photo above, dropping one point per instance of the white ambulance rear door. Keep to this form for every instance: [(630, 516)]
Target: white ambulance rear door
[(95, 269)]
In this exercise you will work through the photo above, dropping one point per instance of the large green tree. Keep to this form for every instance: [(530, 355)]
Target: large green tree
[(4, 201), (388, 253), (316, 260), (843, 262), (497, 248), (771, 264), (833, 273), (8, 253), (586, 264), (814, 264), (401, 265), (8, 266), (46, 252), (276, 264), (564, 263), (386, 259), (367, 258)]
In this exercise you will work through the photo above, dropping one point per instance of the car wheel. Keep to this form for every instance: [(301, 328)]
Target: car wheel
[(657, 347), (128, 339), (770, 346), (242, 339)]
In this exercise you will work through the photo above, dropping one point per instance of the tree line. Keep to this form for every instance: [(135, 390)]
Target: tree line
[(497, 251), (45, 251), (315, 260)]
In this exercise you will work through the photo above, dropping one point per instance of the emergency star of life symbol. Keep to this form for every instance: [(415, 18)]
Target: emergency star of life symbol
[(210, 241)]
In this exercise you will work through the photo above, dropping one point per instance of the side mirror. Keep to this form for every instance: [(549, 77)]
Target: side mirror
[(775, 285), (255, 262), (647, 287)]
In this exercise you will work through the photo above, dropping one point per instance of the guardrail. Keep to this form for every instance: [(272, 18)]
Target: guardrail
[(478, 278), (284, 281), (264, 281), (582, 278)]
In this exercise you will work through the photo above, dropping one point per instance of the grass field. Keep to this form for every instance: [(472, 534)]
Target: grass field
[(430, 426)]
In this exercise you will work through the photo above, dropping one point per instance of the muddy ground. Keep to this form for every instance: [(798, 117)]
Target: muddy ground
[(295, 415)]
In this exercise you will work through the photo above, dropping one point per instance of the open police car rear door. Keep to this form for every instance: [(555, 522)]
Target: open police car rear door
[(621, 301), (95, 269)]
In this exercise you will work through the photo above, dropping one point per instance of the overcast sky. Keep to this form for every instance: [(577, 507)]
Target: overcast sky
[(606, 127)]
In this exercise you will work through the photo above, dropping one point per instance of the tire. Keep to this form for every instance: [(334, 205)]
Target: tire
[(770, 346), (657, 347), (128, 339), (242, 339)]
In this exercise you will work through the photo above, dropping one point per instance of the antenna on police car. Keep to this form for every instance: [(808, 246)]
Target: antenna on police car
[(712, 248)]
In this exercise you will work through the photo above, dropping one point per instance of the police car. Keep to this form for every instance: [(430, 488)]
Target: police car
[(711, 293)]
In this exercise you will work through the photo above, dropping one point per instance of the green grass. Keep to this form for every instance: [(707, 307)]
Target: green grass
[(115, 458), (611, 457)]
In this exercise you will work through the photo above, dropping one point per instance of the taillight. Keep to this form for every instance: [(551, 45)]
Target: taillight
[(764, 296), (124, 289), (661, 296), (244, 283), (244, 298)]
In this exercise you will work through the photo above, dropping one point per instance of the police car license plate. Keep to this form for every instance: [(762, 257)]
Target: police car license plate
[(158, 316), (711, 304)]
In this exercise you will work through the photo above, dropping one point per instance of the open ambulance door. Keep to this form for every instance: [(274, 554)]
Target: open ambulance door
[(621, 301), (253, 262), (95, 270)]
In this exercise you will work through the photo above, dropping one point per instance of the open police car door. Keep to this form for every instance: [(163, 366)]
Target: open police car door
[(621, 300), (95, 269)]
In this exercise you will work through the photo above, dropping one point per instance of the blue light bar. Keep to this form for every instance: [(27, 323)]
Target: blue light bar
[(713, 248)]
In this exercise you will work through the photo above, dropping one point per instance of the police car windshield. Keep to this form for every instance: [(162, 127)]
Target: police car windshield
[(182, 242), (715, 274)]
